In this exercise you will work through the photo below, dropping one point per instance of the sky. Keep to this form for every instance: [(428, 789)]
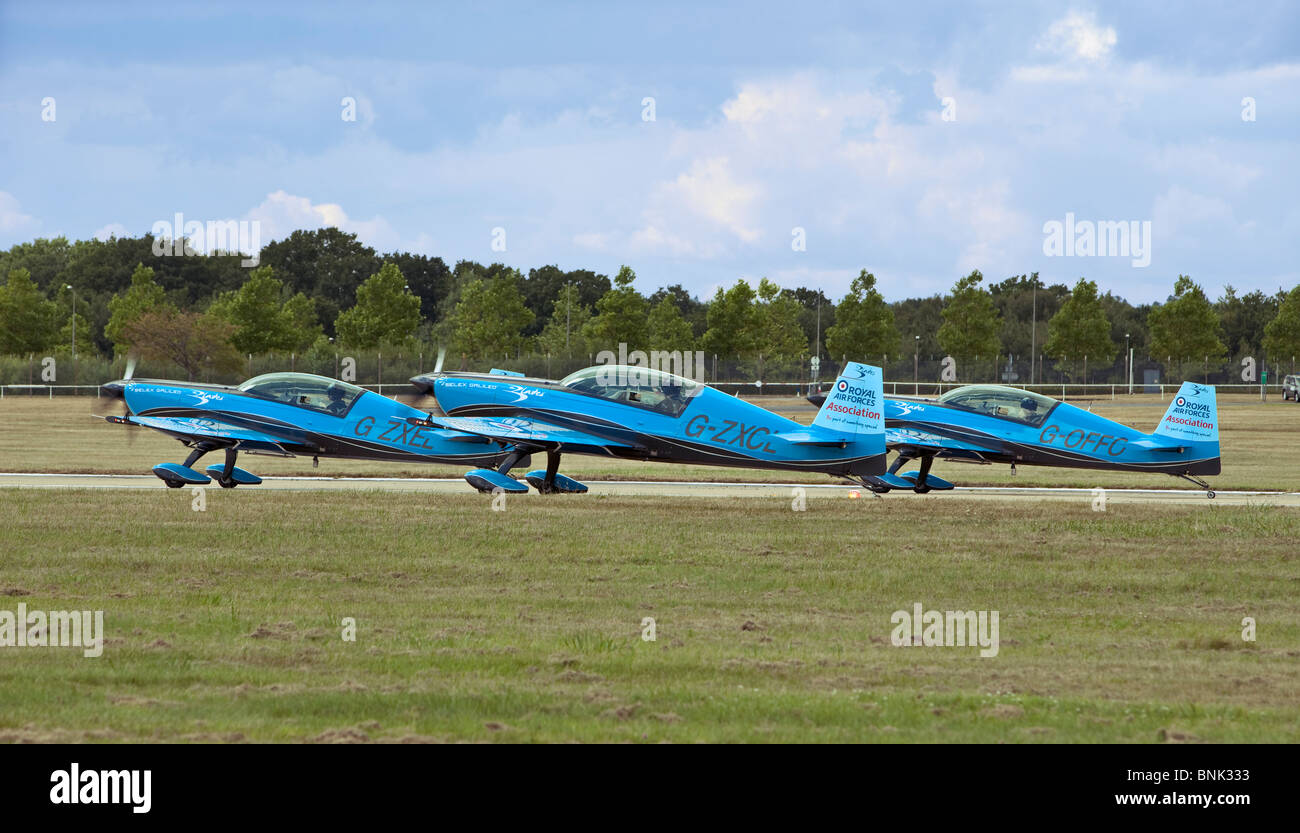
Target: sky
[(698, 143)]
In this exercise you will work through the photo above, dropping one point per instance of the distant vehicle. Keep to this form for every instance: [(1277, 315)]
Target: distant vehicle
[(1291, 388), (996, 424)]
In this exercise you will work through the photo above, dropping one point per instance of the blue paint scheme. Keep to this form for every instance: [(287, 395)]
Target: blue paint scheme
[(488, 480), (182, 474), (931, 481), (637, 413), (291, 414), (217, 471), (995, 424), (567, 485)]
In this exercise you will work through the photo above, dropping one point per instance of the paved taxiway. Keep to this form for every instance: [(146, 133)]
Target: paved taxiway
[(673, 489)]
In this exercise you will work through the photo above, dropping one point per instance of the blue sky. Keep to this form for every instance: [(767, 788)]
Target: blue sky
[(528, 117)]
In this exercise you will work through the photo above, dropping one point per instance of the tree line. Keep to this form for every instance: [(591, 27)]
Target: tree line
[(317, 292)]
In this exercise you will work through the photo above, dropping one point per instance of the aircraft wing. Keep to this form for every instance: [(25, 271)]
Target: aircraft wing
[(525, 431), (204, 428), (931, 443)]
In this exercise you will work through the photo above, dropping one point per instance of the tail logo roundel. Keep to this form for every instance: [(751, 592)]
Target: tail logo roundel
[(843, 385), (1181, 401)]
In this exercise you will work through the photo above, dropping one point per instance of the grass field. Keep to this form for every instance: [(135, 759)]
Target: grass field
[(1260, 449), (525, 624)]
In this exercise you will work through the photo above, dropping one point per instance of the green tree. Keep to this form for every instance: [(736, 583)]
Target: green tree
[(263, 322), (385, 313), (1080, 331), (917, 317), (1282, 335), (29, 323), (562, 335), (864, 324), (667, 329), (1243, 319), (970, 323), (144, 294), (46, 259), (730, 332), (1186, 326), (193, 341), (692, 309), (304, 328), (777, 334), (329, 265), (620, 316), (490, 317)]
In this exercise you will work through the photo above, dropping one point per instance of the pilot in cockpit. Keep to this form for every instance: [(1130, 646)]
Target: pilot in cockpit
[(337, 406)]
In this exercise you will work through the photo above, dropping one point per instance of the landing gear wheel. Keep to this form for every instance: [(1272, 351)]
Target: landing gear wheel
[(227, 483), (921, 490), (173, 484)]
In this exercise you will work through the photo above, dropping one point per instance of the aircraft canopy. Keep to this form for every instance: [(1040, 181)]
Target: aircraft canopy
[(639, 386), (1015, 404), (317, 393)]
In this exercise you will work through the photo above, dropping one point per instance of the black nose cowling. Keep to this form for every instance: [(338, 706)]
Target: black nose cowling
[(424, 384)]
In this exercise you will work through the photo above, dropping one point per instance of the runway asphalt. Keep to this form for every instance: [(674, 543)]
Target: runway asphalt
[(774, 491)]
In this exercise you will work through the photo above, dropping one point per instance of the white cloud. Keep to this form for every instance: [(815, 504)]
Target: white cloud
[(112, 230), (12, 220), (1078, 36), (281, 214), (711, 191)]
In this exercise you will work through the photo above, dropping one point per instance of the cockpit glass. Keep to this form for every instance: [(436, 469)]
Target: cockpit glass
[(643, 387), (316, 393), (1007, 403)]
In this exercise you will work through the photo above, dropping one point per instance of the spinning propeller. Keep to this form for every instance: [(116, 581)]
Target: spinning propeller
[(111, 393), (421, 397)]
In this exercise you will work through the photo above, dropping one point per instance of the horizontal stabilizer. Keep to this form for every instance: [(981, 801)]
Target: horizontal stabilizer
[(1156, 445), (814, 438)]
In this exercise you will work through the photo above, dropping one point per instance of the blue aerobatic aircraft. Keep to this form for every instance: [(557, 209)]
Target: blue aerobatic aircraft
[(638, 413), (287, 415), (996, 424)]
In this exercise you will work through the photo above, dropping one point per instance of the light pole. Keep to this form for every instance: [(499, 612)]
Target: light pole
[(1033, 331), (916, 367), (568, 310), (74, 336), (1128, 354)]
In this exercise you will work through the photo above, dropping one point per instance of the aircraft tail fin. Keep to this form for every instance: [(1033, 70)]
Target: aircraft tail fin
[(855, 405), (1193, 416)]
